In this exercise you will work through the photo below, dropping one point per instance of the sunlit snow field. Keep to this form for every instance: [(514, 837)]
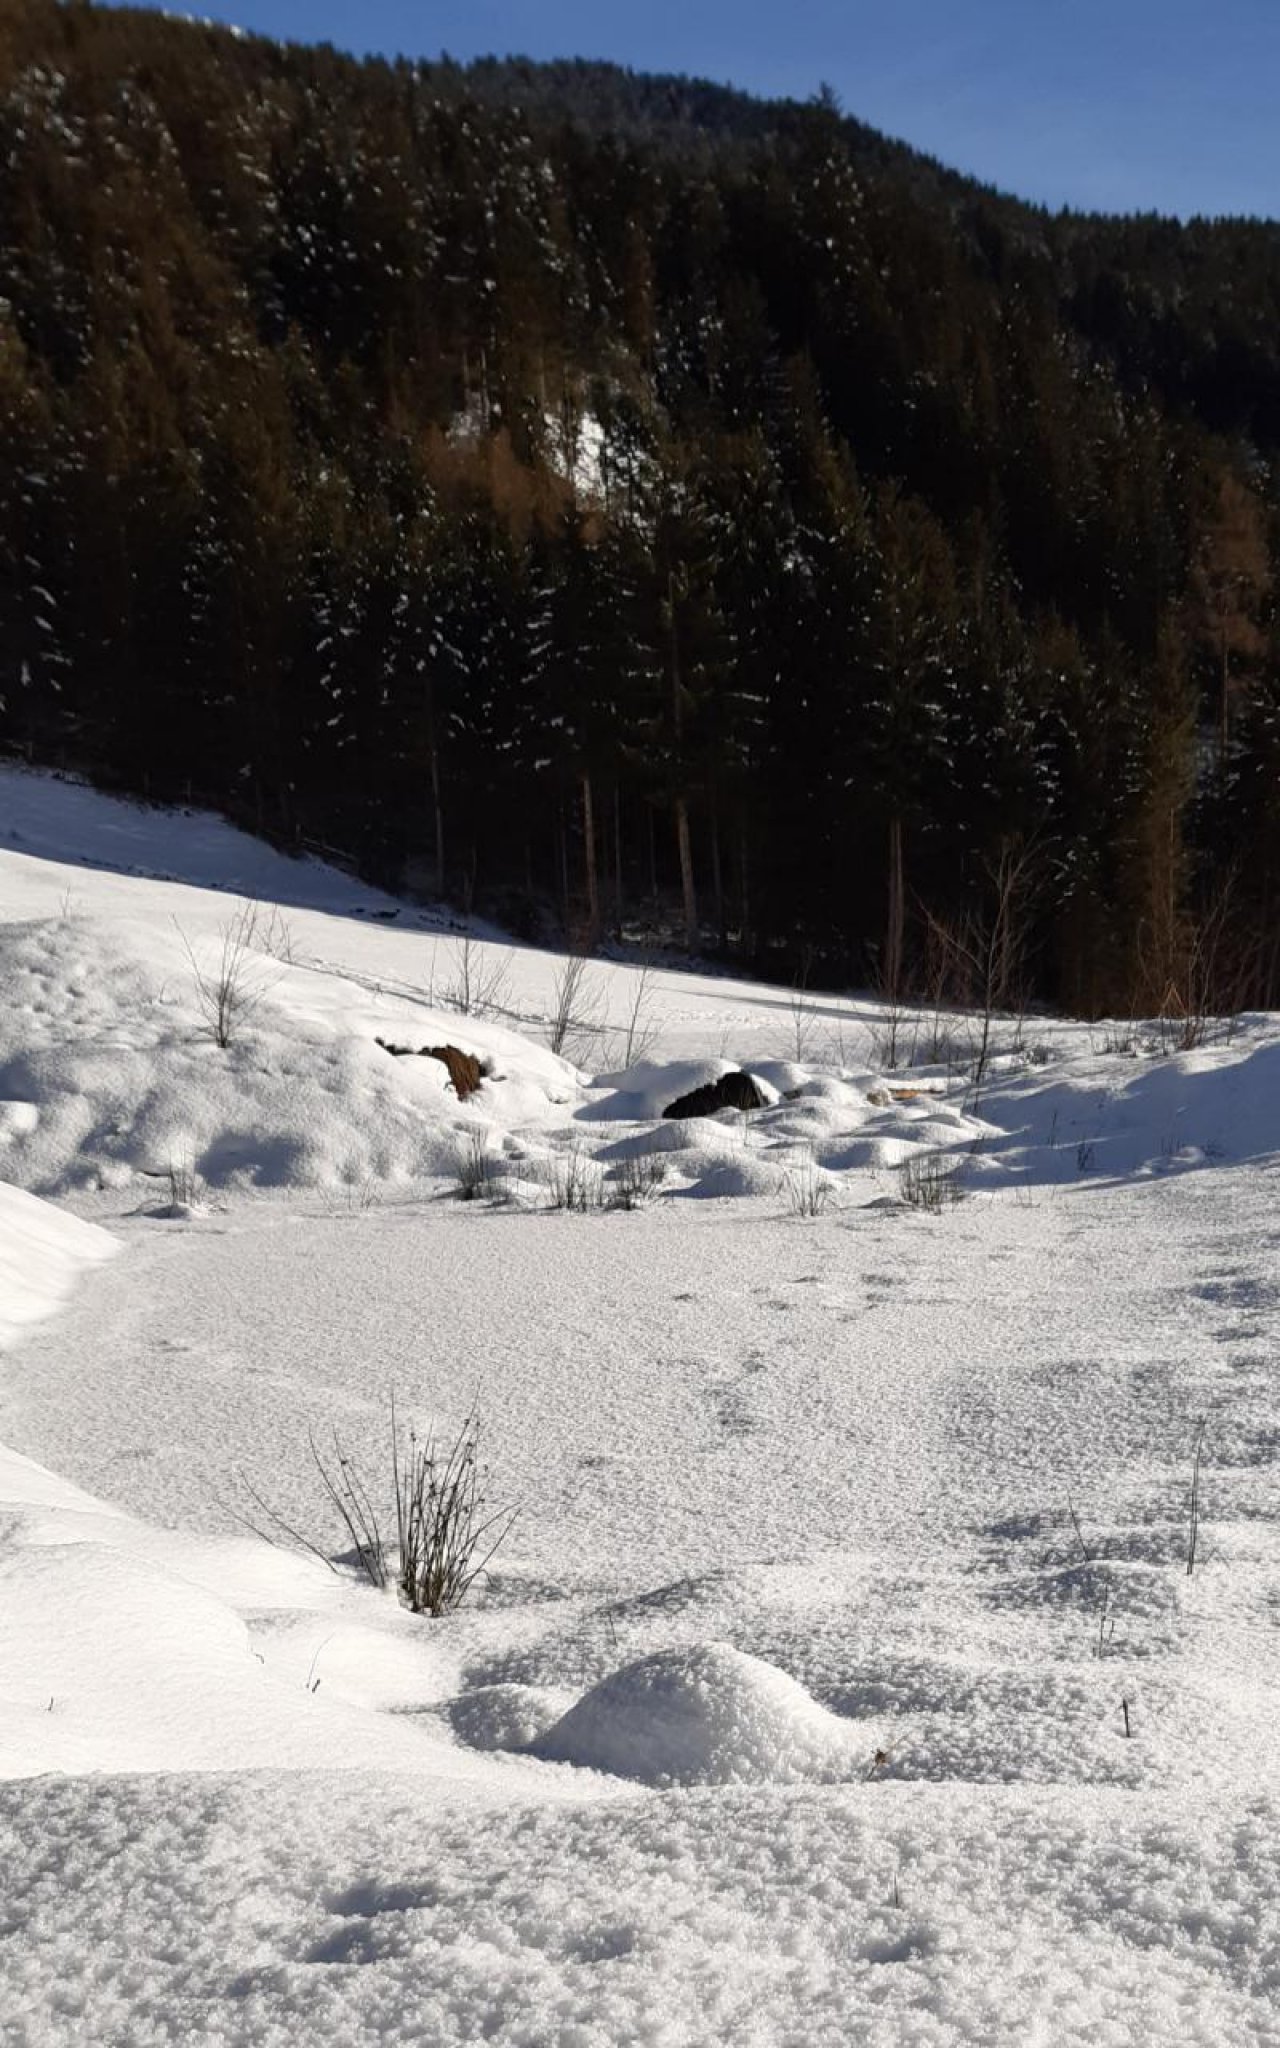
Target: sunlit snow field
[(851, 1531)]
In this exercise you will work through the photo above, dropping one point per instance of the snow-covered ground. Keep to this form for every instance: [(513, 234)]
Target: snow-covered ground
[(842, 1678)]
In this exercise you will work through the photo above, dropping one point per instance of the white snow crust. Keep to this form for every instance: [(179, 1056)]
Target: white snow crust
[(842, 1678)]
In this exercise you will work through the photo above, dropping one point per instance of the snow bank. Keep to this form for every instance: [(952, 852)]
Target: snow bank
[(125, 1648), (42, 1254), (1115, 1116), (110, 1072), (704, 1716)]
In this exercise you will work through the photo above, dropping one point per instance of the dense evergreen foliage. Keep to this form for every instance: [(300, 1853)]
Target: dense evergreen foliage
[(605, 498)]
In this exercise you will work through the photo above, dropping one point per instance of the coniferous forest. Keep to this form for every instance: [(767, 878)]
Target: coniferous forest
[(614, 502)]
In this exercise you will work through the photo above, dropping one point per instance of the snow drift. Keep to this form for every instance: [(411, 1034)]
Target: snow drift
[(42, 1253)]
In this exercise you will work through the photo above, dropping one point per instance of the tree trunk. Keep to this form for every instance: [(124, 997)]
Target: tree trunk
[(744, 892), (562, 839), (717, 885), (895, 929), (688, 894), (437, 814), (589, 856), (681, 802), (653, 860)]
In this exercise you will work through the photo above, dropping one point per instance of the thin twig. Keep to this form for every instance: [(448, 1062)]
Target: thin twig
[(1193, 1536), (1085, 1551), (286, 1528)]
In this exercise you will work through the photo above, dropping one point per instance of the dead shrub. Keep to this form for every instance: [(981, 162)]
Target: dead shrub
[(446, 1531), (928, 1181), (479, 1172), (574, 1180), (634, 1182), (807, 1188), (229, 990)]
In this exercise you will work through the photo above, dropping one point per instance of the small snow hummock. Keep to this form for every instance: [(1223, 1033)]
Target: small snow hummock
[(706, 1715)]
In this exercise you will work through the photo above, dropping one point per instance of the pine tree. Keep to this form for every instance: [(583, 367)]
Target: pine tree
[(908, 512)]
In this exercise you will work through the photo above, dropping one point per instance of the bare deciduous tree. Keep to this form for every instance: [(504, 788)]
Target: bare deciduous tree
[(231, 988), (639, 1030), (575, 1005), (986, 948), (480, 984), (1209, 977)]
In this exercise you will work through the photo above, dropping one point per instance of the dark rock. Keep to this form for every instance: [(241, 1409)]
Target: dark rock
[(731, 1091)]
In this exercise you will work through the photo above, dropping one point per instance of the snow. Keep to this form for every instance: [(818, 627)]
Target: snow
[(706, 1715), (42, 1250), (842, 1677), (646, 1089), (110, 1063)]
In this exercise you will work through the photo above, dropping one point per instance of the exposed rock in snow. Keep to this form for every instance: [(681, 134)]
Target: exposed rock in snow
[(734, 1090)]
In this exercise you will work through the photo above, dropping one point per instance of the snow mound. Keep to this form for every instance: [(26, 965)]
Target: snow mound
[(42, 1252), (707, 1135), (809, 1123), (783, 1076), (732, 1179), (700, 1143), (110, 1073), (706, 1715), (871, 1154), (836, 1088), (642, 1092)]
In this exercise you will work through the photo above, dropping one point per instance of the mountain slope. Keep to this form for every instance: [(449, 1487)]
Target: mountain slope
[(616, 500)]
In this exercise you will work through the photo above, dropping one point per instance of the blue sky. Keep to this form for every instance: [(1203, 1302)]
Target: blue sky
[(1127, 105)]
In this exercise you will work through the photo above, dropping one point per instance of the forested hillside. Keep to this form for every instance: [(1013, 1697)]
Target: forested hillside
[(608, 499)]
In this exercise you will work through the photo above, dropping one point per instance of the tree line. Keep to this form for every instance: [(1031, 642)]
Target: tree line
[(619, 504)]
